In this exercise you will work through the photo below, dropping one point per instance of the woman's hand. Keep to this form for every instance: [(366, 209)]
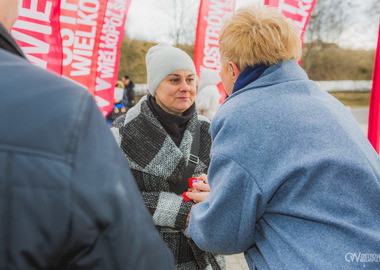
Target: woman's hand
[(200, 190), (203, 177)]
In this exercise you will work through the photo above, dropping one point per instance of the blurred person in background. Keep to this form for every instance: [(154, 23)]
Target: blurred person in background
[(129, 92), (119, 108), (157, 136), (68, 199), (207, 99), (294, 181)]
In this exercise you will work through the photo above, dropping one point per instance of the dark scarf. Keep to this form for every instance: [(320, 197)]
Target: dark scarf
[(173, 124), (249, 75), (8, 43)]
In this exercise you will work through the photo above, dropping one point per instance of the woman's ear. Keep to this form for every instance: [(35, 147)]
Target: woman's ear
[(233, 70)]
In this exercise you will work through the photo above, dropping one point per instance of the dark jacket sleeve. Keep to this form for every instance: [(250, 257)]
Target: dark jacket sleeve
[(124, 99), (129, 95), (111, 227)]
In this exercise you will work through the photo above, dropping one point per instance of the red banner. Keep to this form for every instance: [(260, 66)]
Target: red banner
[(109, 54), (374, 106), (78, 39), (81, 25), (299, 11), (206, 48), (37, 33)]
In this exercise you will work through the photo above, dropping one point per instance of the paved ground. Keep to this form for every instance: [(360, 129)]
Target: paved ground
[(361, 115), (237, 262)]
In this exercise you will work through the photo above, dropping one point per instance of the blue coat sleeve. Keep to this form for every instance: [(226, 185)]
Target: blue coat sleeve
[(225, 222)]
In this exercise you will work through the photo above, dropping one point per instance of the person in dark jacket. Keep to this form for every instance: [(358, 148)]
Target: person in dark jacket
[(67, 197), (129, 92)]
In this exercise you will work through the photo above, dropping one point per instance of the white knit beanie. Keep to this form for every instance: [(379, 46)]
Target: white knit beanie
[(163, 59)]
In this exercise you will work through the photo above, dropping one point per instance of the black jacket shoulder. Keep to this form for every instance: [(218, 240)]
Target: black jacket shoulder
[(68, 198)]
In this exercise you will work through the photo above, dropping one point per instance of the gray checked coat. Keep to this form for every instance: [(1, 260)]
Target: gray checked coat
[(158, 164)]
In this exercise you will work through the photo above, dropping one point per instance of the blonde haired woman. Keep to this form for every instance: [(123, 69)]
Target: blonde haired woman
[(294, 182)]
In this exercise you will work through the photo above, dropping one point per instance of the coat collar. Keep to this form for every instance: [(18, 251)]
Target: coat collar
[(248, 75), (280, 73), (8, 43), (150, 131)]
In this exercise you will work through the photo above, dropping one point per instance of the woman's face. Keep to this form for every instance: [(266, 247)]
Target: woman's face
[(176, 92), (227, 79)]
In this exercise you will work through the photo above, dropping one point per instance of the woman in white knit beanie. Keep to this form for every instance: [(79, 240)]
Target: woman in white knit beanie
[(208, 96), (156, 137)]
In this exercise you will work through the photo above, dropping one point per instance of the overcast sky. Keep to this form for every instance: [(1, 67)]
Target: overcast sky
[(148, 20)]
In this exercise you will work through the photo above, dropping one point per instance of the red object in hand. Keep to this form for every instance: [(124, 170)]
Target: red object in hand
[(191, 181), (185, 198)]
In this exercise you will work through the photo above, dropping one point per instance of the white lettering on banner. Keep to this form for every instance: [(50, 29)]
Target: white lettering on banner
[(301, 8), (67, 56), (38, 46), (82, 40), (68, 6), (86, 6), (82, 63), (67, 40), (109, 39), (33, 13), (35, 27), (102, 84), (101, 102), (87, 19), (217, 12), (106, 64)]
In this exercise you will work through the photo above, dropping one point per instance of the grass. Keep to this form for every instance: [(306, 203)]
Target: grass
[(354, 99)]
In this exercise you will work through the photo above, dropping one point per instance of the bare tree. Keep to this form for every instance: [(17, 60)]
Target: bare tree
[(181, 19), (327, 22), (374, 9), (373, 15)]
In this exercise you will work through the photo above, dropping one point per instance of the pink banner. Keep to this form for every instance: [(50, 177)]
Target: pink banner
[(206, 48), (37, 33), (81, 25), (109, 54), (374, 106), (299, 11)]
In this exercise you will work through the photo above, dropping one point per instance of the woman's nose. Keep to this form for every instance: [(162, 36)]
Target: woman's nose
[(184, 86)]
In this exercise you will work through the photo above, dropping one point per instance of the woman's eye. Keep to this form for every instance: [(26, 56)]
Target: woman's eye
[(174, 80)]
